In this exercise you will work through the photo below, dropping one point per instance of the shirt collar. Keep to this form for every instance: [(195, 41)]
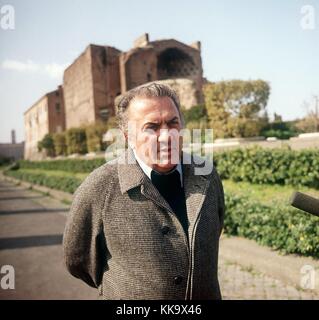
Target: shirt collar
[(147, 169)]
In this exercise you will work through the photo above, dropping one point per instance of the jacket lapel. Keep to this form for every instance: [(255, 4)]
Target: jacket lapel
[(195, 188), (195, 185), (131, 175), (151, 192)]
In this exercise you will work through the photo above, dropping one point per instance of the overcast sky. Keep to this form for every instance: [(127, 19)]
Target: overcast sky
[(248, 39)]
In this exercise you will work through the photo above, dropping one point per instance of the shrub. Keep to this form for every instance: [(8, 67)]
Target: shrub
[(60, 146), (63, 183), (47, 144), (270, 166), (280, 134), (5, 161), (76, 141), (278, 226), (195, 113), (69, 165), (94, 135)]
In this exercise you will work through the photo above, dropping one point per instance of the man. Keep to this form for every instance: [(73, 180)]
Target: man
[(150, 228)]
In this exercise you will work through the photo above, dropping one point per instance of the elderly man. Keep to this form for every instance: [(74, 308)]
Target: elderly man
[(150, 228)]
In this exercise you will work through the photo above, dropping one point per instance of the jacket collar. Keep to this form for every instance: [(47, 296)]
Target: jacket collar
[(148, 170), (196, 183), (132, 175)]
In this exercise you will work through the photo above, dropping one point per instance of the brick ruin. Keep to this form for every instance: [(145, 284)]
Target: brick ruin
[(102, 73), (90, 85), (47, 115)]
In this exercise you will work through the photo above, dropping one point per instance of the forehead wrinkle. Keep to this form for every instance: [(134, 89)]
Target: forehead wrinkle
[(155, 106), (159, 122)]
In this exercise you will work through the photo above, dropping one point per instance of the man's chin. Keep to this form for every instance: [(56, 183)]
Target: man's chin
[(164, 167)]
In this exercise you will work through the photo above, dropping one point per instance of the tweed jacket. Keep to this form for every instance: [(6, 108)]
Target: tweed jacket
[(123, 238)]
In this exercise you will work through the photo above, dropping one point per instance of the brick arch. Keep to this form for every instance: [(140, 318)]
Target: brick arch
[(175, 63)]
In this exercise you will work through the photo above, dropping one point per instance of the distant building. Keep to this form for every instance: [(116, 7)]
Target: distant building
[(161, 60), (47, 115), (12, 150), (102, 73)]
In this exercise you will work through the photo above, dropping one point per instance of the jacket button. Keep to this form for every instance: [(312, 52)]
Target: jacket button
[(165, 230), (178, 279)]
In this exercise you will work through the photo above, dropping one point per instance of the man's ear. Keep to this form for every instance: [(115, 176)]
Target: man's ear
[(127, 141)]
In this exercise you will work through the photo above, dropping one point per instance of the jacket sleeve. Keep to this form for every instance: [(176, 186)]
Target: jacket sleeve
[(84, 247)]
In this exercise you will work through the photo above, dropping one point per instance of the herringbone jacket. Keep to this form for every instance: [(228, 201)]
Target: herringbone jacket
[(123, 238)]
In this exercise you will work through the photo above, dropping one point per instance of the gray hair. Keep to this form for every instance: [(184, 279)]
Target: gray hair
[(149, 90)]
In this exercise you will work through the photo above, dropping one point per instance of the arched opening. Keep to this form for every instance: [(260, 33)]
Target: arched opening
[(174, 63)]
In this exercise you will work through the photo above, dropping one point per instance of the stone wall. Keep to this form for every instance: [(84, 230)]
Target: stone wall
[(106, 80), (90, 85), (12, 150), (186, 90), (45, 116), (78, 91), (162, 60), (137, 66), (56, 111), (36, 125)]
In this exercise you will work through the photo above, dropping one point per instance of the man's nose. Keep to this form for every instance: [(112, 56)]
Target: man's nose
[(164, 135)]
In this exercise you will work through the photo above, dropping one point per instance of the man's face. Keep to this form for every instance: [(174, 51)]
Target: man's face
[(154, 126)]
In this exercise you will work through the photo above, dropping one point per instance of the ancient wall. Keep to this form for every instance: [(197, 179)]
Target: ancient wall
[(45, 116), (162, 60), (186, 90), (78, 91), (106, 80), (36, 125), (56, 111), (178, 60), (12, 150), (138, 66), (90, 86)]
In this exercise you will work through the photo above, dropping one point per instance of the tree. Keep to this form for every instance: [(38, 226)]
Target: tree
[(310, 123), (76, 141), (279, 128), (277, 118), (47, 144), (94, 135), (60, 146), (236, 108)]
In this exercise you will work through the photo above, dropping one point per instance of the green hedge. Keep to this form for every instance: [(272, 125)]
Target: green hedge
[(278, 226), (69, 165), (270, 166), (254, 165), (67, 184)]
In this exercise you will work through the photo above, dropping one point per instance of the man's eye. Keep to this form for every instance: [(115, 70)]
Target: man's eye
[(152, 127)]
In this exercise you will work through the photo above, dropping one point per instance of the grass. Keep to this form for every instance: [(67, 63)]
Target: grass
[(58, 173), (3, 167), (266, 194), (67, 202)]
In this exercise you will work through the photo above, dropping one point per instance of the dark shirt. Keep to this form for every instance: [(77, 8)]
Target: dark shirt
[(170, 187)]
